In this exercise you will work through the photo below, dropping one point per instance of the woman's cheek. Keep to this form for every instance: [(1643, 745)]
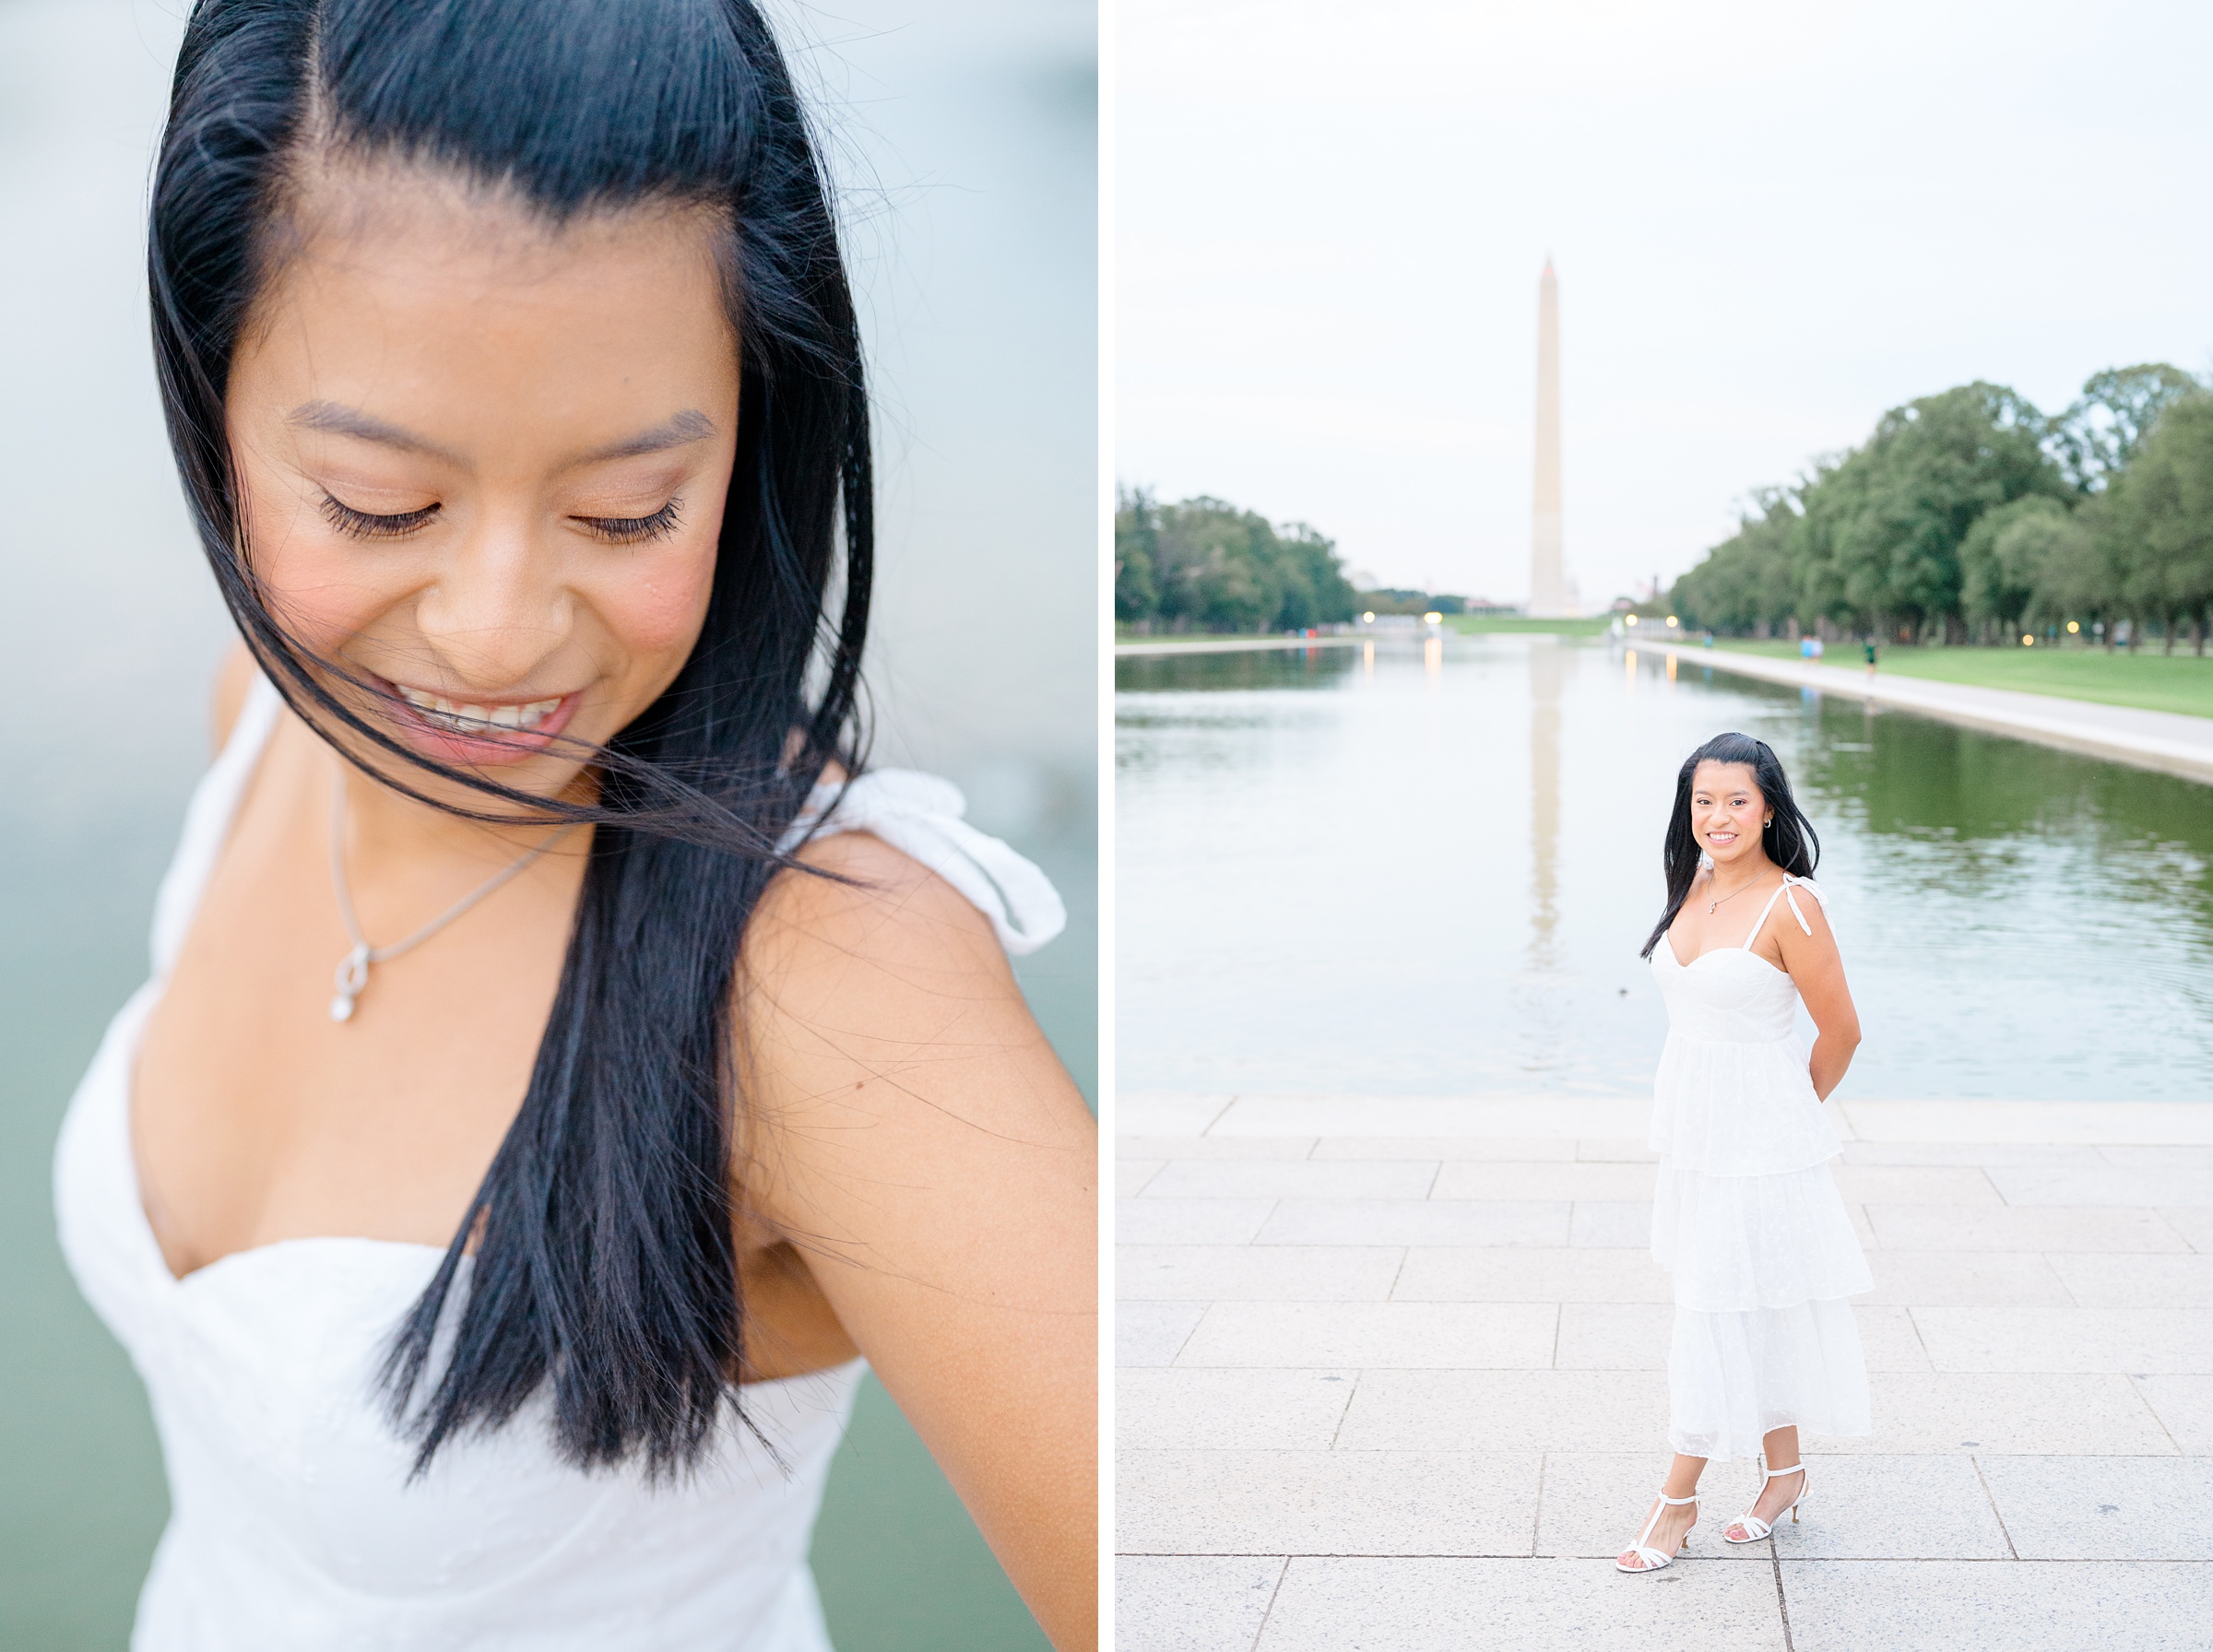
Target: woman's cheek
[(660, 607), (315, 588)]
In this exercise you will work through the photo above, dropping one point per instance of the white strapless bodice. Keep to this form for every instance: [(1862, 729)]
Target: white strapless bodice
[(1731, 1096), (293, 1527)]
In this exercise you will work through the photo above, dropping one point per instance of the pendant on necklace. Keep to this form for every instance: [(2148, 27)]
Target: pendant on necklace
[(351, 977)]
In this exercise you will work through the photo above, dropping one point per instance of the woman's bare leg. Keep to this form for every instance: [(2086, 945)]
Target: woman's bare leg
[(1781, 1446), (1675, 1519)]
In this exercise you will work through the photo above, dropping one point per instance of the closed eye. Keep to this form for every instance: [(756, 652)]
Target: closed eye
[(364, 525), (629, 530)]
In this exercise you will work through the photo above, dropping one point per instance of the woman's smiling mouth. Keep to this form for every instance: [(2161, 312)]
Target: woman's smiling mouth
[(479, 733)]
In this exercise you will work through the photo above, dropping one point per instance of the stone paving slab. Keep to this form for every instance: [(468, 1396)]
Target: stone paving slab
[(1212, 1409), (1190, 1220), (1451, 1605), (1362, 1411), (1191, 1602), (1327, 1502), (2166, 1341), (1417, 1221), (1295, 1178), (1472, 1273), (2009, 1227), (1262, 1272), (2105, 1507), (2136, 1281), (1561, 1150), (1370, 1335), (2011, 1606), (1471, 1178), (1914, 1278), (1886, 1507), (2185, 1407), (1223, 1147), (1153, 1333)]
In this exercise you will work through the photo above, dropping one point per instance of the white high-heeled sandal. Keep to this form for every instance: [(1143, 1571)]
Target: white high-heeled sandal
[(1653, 1560), (1758, 1528)]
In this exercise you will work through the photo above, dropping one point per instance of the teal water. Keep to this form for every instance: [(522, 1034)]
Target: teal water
[(1430, 872)]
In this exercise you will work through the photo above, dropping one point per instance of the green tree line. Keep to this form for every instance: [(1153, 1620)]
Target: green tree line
[(1204, 565), (1970, 515)]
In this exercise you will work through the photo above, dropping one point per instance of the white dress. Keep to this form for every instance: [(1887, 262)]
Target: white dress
[(293, 1527), (1745, 1214)]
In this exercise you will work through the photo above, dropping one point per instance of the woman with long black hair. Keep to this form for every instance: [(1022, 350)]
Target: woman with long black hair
[(564, 1059), (1745, 1214)]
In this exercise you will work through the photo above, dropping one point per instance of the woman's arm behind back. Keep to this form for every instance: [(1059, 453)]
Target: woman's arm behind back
[(1817, 969)]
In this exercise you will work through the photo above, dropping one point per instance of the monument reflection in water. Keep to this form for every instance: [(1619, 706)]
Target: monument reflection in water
[(1401, 870)]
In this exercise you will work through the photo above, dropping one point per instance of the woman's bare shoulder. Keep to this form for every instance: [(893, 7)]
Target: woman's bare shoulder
[(862, 905)]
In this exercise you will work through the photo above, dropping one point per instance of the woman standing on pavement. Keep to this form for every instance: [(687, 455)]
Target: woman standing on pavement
[(1745, 1214)]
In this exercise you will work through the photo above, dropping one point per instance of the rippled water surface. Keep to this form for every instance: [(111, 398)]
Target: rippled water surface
[(1425, 869)]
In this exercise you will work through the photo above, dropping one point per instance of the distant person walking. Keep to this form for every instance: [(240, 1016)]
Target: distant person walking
[(1745, 1214), (1870, 650)]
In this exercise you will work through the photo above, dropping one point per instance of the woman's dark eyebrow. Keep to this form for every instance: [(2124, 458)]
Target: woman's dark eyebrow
[(352, 421), (679, 431)]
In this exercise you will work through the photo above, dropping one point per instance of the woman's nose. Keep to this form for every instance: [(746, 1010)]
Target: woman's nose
[(497, 608)]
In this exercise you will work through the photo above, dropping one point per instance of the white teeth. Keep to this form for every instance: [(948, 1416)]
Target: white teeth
[(475, 719)]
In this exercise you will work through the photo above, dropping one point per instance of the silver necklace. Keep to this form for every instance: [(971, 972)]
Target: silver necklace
[(352, 974), (1732, 895)]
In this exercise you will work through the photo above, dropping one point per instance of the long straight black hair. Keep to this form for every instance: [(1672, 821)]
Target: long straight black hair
[(1788, 837), (604, 1258)]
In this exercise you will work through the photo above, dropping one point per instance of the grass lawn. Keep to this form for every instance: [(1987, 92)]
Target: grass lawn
[(2150, 680)]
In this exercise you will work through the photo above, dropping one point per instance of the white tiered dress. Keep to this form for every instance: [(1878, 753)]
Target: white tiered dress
[(1746, 1215)]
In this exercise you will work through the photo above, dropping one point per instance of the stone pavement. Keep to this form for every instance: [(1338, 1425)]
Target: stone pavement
[(2169, 741), (1393, 1379)]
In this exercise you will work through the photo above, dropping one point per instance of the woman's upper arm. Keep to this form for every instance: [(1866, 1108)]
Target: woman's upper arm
[(1817, 968), (233, 679), (906, 1126)]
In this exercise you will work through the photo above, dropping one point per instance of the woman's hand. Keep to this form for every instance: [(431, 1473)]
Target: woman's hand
[(1817, 968), (905, 1125)]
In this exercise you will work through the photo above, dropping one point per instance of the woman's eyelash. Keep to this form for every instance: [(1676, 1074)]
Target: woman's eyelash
[(629, 530), (362, 524)]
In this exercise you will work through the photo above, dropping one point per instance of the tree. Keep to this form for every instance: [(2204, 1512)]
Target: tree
[(1136, 541), (1204, 564), (1749, 581), (2005, 554), (2162, 519), (1894, 513), (2095, 439)]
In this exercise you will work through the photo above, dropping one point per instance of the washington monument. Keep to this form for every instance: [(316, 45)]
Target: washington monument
[(1551, 596)]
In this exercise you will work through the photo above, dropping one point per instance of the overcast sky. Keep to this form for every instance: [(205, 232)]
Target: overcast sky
[(1772, 221)]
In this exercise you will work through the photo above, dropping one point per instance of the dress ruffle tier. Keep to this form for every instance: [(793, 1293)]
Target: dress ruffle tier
[(1746, 1217)]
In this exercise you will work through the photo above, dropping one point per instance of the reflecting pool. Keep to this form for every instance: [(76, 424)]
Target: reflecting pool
[(1427, 869)]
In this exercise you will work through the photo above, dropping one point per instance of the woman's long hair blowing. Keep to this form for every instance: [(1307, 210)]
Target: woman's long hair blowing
[(604, 1261), (1789, 838)]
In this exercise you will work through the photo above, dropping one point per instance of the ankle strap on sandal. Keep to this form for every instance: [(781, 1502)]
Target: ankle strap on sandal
[(1678, 1502), (1793, 1469)]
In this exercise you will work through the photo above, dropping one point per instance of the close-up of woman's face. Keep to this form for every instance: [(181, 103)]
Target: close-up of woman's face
[(482, 461), (1727, 810)]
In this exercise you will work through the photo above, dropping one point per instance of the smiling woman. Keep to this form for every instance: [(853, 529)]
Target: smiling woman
[(1746, 1215), (515, 1294)]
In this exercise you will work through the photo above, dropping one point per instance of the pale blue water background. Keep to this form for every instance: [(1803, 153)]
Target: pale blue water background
[(1432, 874)]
